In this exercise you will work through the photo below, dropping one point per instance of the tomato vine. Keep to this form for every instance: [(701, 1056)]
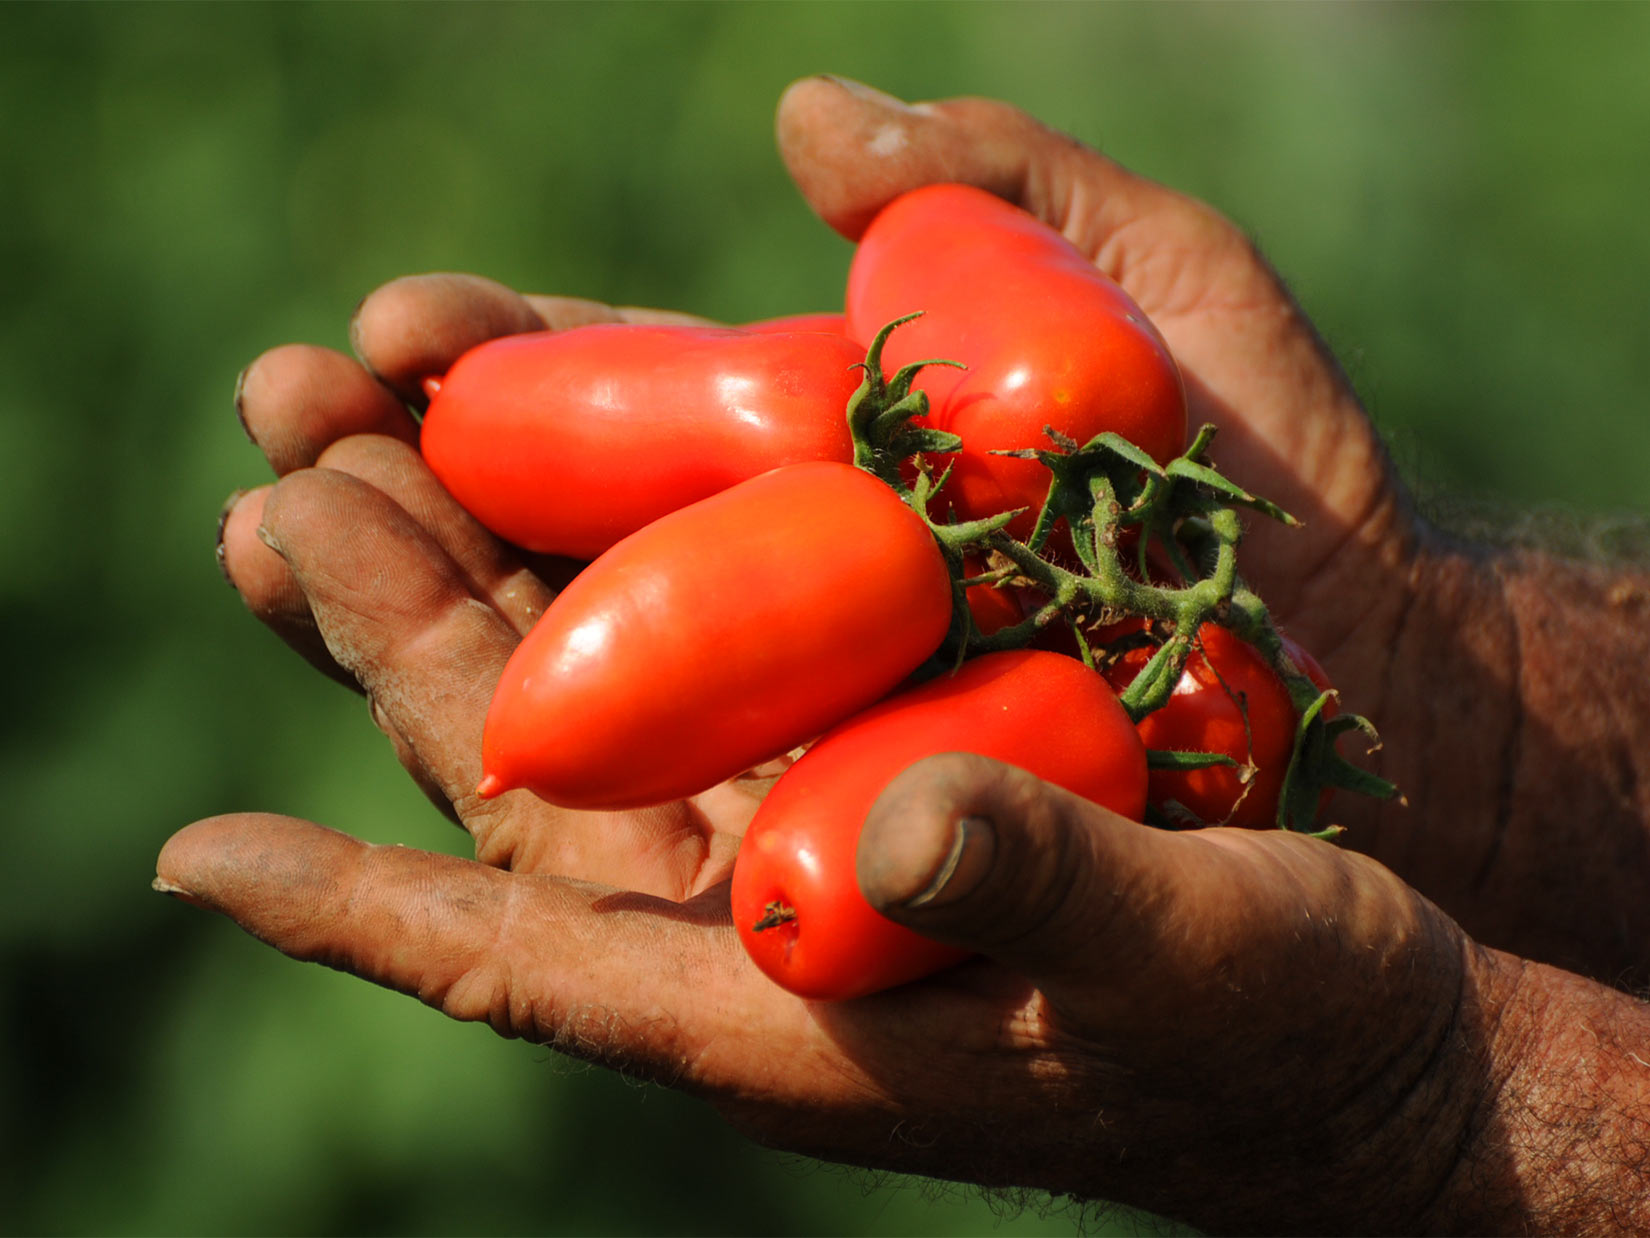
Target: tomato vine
[(1155, 542)]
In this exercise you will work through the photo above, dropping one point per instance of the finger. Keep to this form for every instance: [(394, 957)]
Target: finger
[(574, 966), (852, 150), (416, 327), (397, 613), (491, 570), (296, 400), (272, 593), (991, 858), (655, 988), (1115, 921), (267, 586)]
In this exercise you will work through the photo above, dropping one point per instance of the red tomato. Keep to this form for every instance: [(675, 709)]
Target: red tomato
[(1048, 340), (1046, 713), (831, 324), (716, 638), (1228, 701), (566, 441)]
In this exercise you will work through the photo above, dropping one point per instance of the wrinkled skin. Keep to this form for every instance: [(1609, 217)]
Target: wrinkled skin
[(1137, 1027)]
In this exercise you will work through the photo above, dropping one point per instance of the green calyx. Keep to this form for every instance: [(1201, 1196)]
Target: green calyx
[(882, 411), (1154, 542)]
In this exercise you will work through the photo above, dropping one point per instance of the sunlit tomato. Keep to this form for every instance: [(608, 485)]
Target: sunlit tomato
[(1048, 340), (716, 638), (1043, 712), (1228, 701), (566, 441)]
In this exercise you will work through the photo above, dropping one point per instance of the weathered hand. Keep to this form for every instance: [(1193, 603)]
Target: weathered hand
[(1138, 1036), (1495, 678), (1290, 426)]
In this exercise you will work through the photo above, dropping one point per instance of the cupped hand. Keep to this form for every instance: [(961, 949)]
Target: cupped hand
[(1458, 666), (1522, 765), (1133, 1031)]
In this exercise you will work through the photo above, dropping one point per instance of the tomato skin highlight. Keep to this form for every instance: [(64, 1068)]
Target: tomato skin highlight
[(716, 638), (1043, 712), (564, 442), (1224, 679), (1047, 338)]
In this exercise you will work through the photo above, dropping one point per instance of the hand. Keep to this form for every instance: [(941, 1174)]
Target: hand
[(608, 935), (1494, 678), (1290, 425)]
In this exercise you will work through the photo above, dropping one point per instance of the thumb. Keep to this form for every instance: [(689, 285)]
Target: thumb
[(852, 149), (988, 857)]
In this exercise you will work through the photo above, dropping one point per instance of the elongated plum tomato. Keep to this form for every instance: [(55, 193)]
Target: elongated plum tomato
[(716, 638), (566, 441), (1044, 712), (1228, 701), (1048, 340)]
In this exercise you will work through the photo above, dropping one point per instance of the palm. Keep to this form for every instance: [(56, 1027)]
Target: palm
[(673, 851)]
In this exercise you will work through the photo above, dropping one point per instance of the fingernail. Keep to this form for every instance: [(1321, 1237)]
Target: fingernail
[(963, 867), (268, 538), (223, 521), (869, 93), (240, 404), (355, 331), (162, 886)]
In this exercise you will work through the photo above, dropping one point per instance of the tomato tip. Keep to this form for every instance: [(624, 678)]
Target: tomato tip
[(489, 786)]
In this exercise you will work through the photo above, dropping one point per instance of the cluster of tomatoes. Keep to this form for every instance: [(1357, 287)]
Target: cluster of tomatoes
[(750, 589)]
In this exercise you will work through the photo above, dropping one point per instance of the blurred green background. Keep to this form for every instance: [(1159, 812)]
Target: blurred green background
[(1455, 192)]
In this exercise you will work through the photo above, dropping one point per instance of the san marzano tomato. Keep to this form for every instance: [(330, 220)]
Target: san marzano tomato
[(1047, 339), (1043, 712), (566, 441), (716, 638)]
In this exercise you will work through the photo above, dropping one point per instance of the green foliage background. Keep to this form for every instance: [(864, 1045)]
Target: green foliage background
[(1455, 192)]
